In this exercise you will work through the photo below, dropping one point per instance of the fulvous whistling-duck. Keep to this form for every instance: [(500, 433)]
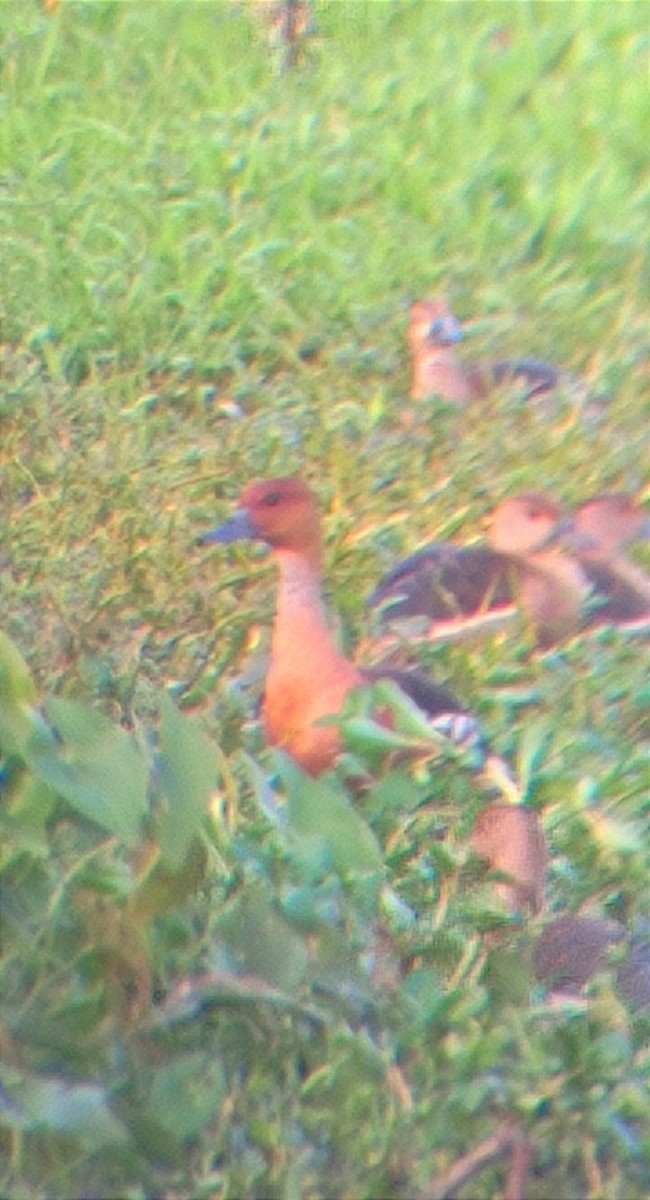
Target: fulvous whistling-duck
[(433, 336), (571, 949), (458, 588), (462, 587), (612, 522), (511, 840), (309, 678)]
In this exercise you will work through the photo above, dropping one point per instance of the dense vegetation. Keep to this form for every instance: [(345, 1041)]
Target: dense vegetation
[(208, 990)]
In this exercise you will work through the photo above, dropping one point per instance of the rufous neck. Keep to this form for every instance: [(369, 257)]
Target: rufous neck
[(301, 616), (565, 572), (300, 576)]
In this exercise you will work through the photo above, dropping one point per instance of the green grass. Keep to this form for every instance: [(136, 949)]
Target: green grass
[(206, 267)]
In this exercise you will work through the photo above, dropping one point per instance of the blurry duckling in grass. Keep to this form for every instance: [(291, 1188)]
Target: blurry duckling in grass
[(612, 522), (509, 837), (572, 949), (523, 564), (438, 370)]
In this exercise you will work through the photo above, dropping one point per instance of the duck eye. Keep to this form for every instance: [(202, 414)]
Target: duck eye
[(272, 499)]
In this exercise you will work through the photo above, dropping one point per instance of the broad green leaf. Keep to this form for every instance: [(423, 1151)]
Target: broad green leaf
[(261, 942), (26, 809), (409, 728), (315, 905), (187, 771), (397, 791), (80, 1110), (409, 718), (363, 734), (323, 817), (96, 766), (18, 717), (16, 683), (186, 1094)]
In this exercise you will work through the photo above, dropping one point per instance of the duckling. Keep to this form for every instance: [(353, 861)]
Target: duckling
[(460, 588), (571, 949), (511, 840), (433, 335), (613, 521)]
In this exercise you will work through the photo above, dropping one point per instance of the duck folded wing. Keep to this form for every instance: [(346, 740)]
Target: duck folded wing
[(442, 582)]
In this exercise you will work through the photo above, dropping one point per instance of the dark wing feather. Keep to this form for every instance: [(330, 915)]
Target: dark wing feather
[(612, 599), (432, 698), (541, 375), (444, 583)]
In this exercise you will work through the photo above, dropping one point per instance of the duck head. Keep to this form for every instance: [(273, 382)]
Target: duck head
[(612, 521), (433, 323), (280, 512), (532, 523)]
